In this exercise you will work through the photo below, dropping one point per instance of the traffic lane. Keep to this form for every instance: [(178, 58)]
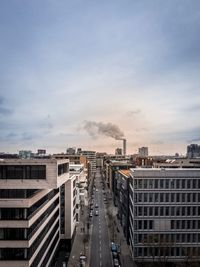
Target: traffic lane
[(105, 248), (94, 261)]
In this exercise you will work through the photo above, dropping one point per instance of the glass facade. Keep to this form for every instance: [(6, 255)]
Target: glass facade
[(23, 172)]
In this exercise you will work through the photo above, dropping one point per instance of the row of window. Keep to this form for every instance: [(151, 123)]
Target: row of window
[(24, 253), (26, 233), (144, 225), (167, 211), (63, 168), (167, 197), (167, 251), (17, 193), (170, 183), (26, 213), (23, 172), (171, 239), (185, 224)]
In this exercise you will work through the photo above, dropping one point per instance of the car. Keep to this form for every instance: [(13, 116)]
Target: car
[(90, 214), (96, 212), (118, 248), (96, 205), (116, 263), (113, 247), (115, 255), (97, 190)]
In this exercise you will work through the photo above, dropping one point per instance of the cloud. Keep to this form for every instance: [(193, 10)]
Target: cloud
[(133, 112), (4, 110)]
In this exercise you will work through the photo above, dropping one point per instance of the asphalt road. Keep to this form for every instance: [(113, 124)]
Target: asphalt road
[(100, 247)]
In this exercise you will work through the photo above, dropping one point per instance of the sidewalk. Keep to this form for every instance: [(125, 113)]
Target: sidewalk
[(116, 235), (81, 242), (81, 245)]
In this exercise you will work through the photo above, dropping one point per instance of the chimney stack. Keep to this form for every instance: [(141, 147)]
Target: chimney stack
[(124, 147)]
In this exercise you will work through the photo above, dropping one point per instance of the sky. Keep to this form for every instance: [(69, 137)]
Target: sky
[(134, 64)]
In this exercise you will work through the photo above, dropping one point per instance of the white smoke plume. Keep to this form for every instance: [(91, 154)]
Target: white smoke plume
[(100, 128)]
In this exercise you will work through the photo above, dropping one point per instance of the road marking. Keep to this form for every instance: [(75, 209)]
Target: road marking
[(100, 255), (100, 263)]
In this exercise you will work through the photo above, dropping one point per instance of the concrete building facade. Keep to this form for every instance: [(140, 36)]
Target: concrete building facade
[(30, 210), (164, 215)]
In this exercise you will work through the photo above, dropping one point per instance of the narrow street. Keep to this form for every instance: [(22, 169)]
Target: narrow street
[(100, 247)]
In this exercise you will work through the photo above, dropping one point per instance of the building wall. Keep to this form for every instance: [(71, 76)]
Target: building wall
[(164, 214), (30, 220)]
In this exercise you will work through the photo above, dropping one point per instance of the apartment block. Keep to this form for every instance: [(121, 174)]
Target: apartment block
[(30, 210), (122, 200), (165, 215)]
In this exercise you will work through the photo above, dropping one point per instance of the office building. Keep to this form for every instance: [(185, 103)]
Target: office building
[(71, 151), (122, 200), (91, 157), (143, 152), (32, 217), (165, 215), (118, 151), (193, 151)]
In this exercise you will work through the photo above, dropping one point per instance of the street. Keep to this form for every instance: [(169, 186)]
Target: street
[(100, 247)]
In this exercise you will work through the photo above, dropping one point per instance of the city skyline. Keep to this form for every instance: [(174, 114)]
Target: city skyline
[(132, 64)]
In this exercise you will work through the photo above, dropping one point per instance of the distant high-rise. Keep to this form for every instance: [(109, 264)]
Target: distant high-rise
[(193, 151), (118, 151), (143, 152), (25, 154), (91, 157), (71, 151)]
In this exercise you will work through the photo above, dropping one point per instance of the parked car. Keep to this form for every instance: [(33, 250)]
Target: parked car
[(90, 214), (96, 212), (113, 247), (115, 255), (116, 263), (96, 205)]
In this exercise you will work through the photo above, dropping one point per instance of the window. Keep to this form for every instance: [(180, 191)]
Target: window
[(183, 183), (183, 197), (139, 211), (150, 211), (140, 197), (167, 183), (63, 168), (194, 195), (178, 183), (161, 211), (194, 183), (156, 183), (188, 184), (23, 172), (161, 183), (178, 197), (140, 183), (150, 183), (150, 197), (172, 197)]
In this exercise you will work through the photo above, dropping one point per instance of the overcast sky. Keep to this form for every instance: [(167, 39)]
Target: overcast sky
[(132, 63)]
